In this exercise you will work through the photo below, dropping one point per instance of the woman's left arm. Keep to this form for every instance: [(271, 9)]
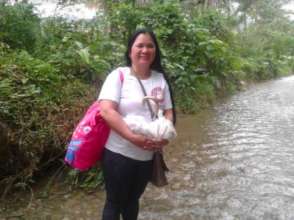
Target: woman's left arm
[(168, 114)]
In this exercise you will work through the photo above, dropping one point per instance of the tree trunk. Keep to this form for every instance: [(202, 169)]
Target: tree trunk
[(143, 2), (212, 3)]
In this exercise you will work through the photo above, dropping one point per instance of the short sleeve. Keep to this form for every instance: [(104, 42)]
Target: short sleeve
[(167, 104), (111, 88)]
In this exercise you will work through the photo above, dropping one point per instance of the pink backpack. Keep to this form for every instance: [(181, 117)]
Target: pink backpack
[(88, 139)]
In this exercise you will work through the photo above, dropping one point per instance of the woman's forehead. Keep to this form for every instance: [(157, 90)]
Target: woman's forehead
[(144, 37)]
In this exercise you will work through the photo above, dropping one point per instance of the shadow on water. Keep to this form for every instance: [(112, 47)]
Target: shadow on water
[(234, 161)]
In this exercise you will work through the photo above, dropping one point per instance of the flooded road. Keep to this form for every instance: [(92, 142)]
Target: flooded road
[(234, 161)]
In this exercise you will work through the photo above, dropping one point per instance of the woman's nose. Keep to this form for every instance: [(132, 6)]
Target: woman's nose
[(144, 49)]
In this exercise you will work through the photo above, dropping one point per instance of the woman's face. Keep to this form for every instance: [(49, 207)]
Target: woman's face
[(143, 51)]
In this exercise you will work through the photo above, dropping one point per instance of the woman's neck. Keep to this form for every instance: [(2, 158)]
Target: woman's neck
[(141, 73)]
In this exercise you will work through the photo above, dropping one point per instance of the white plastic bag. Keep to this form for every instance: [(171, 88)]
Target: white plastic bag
[(159, 129)]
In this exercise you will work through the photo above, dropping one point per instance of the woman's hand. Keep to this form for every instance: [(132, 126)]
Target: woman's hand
[(162, 142), (143, 142), (157, 145), (147, 143), (138, 140)]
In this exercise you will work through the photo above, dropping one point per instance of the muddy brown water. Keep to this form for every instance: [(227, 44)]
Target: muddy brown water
[(233, 161)]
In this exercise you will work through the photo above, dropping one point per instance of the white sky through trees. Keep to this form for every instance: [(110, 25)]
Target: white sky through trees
[(46, 8)]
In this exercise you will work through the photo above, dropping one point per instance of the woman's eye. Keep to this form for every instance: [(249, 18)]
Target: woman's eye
[(149, 46)]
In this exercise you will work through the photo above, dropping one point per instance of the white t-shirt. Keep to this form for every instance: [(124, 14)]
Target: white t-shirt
[(128, 94)]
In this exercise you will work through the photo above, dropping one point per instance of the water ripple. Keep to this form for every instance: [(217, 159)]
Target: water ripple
[(239, 165)]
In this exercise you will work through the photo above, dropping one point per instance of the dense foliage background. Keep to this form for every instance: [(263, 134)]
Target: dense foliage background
[(51, 68)]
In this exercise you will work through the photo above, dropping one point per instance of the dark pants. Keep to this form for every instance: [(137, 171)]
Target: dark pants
[(125, 182)]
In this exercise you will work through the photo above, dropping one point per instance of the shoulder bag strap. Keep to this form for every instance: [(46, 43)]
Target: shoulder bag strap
[(153, 116)]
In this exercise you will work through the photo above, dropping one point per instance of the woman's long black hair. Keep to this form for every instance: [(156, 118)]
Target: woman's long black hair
[(156, 65)]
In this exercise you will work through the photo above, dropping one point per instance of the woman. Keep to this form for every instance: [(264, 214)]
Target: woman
[(127, 161)]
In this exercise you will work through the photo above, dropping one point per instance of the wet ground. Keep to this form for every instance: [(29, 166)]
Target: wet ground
[(234, 161)]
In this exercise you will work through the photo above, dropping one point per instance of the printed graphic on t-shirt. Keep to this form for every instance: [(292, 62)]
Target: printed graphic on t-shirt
[(157, 93)]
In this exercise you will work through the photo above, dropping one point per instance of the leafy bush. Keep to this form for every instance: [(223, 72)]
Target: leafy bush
[(38, 109), (78, 49), (19, 26)]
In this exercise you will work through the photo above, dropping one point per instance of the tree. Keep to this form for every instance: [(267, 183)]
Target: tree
[(19, 26), (262, 11)]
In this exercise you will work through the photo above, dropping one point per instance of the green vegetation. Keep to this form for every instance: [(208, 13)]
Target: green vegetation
[(51, 69)]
